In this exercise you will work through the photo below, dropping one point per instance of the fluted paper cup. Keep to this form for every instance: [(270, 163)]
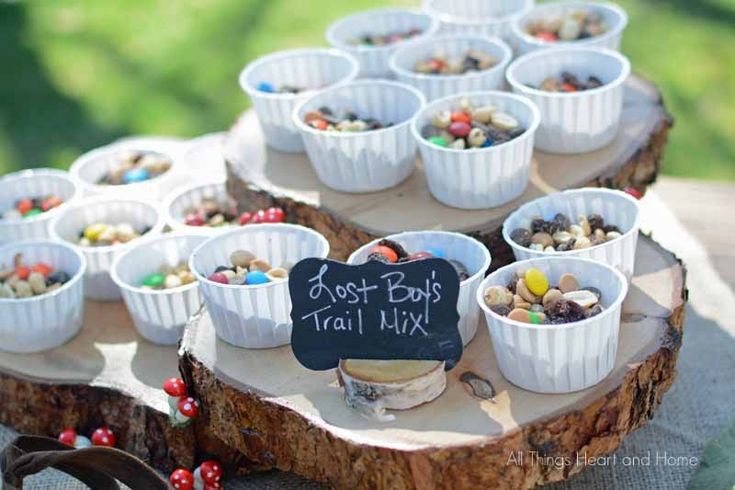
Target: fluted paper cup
[(49, 320), (478, 17), (478, 178), (616, 208), (614, 17), (558, 358), (374, 59), (257, 316), (68, 224), (35, 183), (158, 315), (364, 161), (456, 246), (403, 62), (575, 122), (311, 68), (192, 196), (92, 166)]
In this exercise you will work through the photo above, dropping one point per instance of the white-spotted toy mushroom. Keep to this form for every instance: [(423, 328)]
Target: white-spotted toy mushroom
[(209, 472), (181, 479), (103, 437), (186, 409), (175, 389), (71, 438)]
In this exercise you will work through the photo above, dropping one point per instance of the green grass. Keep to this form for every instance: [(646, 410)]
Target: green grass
[(78, 74)]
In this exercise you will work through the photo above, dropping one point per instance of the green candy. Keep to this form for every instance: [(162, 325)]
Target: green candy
[(154, 280), (534, 318), (438, 140), (32, 212)]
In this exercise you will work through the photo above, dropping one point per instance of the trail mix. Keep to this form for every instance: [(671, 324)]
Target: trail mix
[(471, 127), (580, 24), (441, 64), (26, 280), (391, 252), (530, 299), (28, 207), (325, 119), (246, 269), (569, 83), (169, 277), (211, 212), (106, 234), (560, 234), (279, 89), (136, 166), (384, 39)]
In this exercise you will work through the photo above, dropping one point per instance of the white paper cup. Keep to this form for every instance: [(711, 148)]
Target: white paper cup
[(92, 166), (312, 68), (403, 62), (43, 322), (456, 246), (256, 316), (479, 178), (374, 59), (68, 224), (558, 358), (478, 17), (179, 201), (365, 161), (616, 208), (614, 16), (35, 183), (574, 122), (158, 315)]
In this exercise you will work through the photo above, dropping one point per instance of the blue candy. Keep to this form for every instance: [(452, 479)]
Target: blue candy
[(488, 142), (136, 175), (435, 252), (256, 277), (266, 87)]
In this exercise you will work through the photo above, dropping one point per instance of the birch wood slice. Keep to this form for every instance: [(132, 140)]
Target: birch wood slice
[(275, 412), (260, 177), (106, 375)]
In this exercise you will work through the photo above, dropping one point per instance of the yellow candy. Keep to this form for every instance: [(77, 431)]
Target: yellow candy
[(93, 231), (536, 282)]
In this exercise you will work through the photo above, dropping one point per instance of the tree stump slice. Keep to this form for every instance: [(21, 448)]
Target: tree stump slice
[(107, 375), (260, 177), (279, 414)]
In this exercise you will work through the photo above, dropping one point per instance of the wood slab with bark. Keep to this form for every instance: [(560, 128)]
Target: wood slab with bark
[(259, 177), (264, 404)]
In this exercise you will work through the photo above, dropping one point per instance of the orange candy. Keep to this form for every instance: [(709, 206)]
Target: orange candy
[(43, 269), (24, 205), (568, 87), (386, 252), (461, 116), (22, 272), (320, 124)]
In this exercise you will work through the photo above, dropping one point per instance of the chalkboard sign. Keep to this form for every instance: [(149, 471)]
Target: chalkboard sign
[(374, 311)]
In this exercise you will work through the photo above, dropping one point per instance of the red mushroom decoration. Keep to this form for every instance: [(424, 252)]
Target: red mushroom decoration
[(181, 479), (186, 409), (212, 486), (634, 192), (103, 437), (71, 438), (175, 389), (210, 472)]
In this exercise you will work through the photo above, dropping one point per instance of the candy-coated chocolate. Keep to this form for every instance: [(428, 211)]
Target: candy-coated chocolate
[(218, 277), (256, 277), (536, 281)]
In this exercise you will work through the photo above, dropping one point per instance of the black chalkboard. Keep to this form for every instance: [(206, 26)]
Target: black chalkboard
[(374, 311)]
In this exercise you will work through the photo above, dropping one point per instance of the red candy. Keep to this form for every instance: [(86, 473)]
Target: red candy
[(50, 202), (459, 129), (24, 205), (634, 192), (275, 215), (68, 436), (218, 277), (43, 269), (103, 437), (546, 36), (420, 255), (319, 124), (568, 87), (386, 252), (461, 116), (194, 220), (22, 272)]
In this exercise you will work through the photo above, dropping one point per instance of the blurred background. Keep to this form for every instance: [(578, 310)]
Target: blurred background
[(79, 74)]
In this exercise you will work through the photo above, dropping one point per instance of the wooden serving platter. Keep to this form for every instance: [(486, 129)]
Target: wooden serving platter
[(260, 177), (275, 412)]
